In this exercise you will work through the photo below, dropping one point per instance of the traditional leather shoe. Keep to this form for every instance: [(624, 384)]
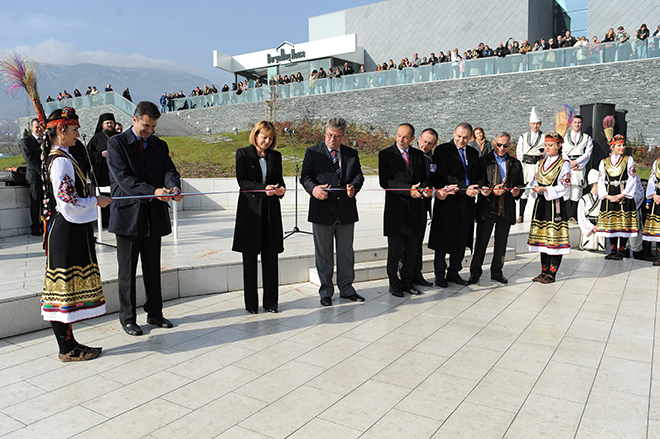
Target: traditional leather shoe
[(421, 281), (457, 279), (355, 297), (656, 263), (520, 220), (618, 256), (326, 301), (80, 353), (396, 291), (441, 282), (161, 322), (411, 290), (539, 277), (473, 279), (273, 310), (611, 255), (132, 329), (548, 279), (501, 279)]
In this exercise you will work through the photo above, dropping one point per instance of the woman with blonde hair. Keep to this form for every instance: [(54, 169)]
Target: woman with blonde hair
[(258, 228), (479, 142)]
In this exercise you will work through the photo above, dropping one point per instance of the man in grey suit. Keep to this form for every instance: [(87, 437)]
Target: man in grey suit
[(332, 175), (31, 150)]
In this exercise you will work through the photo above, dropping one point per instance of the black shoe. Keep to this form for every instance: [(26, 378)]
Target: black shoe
[(252, 311), (33, 233), (500, 279), (618, 256), (423, 282), (326, 301), (611, 255), (161, 322), (411, 290), (457, 279), (355, 297), (132, 329), (441, 282), (473, 279), (273, 310), (396, 291)]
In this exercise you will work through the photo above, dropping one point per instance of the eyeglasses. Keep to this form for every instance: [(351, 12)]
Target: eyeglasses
[(334, 136), (502, 145)]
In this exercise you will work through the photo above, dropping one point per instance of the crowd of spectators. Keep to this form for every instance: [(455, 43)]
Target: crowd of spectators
[(91, 91)]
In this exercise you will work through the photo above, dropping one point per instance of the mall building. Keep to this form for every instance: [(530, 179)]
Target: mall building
[(395, 29)]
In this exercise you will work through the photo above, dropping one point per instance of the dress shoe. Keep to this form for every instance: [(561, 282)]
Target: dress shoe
[(411, 289), (501, 279), (441, 282), (355, 297), (273, 310), (421, 281), (326, 301), (396, 291), (473, 279), (161, 322), (132, 329), (252, 311), (457, 279)]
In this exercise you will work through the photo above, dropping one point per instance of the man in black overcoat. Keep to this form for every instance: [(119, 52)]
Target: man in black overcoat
[(402, 170), (333, 214), (496, 207), (139, 164), (97, 148), (31, 150), (453, 217)]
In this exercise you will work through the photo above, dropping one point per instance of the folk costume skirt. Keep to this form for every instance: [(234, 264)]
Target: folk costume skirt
[(652, 224), (72, 287), (617, 220), (548, 232)]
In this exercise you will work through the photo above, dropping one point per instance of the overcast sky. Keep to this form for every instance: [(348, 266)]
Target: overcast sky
[(166, 33)]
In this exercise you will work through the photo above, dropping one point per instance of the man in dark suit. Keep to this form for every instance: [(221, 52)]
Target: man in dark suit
[(402, 170), (333, 213), (31, 150), (453, 217), (496, 207), (139, 164)]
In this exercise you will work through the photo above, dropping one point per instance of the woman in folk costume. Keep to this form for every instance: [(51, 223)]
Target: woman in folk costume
[(72, 286), (548, 233), (652, 224), (617, 183)]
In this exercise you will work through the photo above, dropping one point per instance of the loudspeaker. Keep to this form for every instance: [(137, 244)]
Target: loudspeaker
[(592, 124)]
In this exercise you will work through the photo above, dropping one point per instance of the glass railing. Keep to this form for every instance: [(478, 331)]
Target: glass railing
[(542, 60), (107, 98)]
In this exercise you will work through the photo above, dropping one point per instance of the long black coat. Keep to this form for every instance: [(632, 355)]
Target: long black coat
[(318, 169), (446, 213), (404, 215), (251, 212), (31, 151), (487, 206), (97, 144), (136, 172)]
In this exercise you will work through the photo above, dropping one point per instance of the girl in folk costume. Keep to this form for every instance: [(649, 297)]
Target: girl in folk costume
[(652, 224), (617, 182), (72, 288), (548, 233)]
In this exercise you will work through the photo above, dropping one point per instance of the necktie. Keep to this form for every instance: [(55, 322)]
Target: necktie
[(461, 151), (405, 159), (335, 162)]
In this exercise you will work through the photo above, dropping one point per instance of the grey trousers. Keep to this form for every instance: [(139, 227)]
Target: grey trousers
[(342, 235)]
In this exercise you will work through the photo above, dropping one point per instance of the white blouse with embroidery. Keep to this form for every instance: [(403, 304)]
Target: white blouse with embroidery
[(631, 183), (63, 178), (563, 182)]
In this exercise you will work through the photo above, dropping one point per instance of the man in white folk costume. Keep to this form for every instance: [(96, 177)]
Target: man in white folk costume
[(529, 151)]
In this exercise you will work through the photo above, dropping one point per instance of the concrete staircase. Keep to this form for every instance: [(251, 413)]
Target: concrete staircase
[(170, 125)]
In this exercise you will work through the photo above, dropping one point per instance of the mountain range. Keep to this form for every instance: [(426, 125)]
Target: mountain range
[(144, 84)]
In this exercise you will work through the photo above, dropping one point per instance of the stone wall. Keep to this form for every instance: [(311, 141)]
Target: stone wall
[(498, 102), (14, 211)]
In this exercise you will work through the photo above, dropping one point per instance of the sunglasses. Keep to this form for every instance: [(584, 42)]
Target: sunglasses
[(502, 145)]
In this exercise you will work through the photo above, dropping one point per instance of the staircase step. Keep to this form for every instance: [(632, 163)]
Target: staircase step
[(372, 264)]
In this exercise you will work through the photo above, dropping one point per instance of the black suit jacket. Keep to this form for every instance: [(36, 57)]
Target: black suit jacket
[(317, 170), (404, 215), (136, 172), (97, 144), (487, 207), (251, 212), (31, 151), (446, 213)]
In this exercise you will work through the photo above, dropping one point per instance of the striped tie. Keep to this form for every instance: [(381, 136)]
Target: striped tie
[(335, 162)]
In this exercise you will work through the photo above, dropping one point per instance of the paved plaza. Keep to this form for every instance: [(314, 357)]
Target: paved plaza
[(574, 359)]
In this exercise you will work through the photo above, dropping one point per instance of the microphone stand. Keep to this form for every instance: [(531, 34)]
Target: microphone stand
[(97, 191), (295, 227)]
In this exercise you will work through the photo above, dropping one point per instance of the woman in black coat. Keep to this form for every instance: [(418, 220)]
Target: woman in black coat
[(258, 216)]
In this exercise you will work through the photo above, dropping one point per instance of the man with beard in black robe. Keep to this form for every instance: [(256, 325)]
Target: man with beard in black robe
[(97, 147)]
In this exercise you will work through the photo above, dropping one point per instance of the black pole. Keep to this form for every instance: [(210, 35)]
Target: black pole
[(295, 227)]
